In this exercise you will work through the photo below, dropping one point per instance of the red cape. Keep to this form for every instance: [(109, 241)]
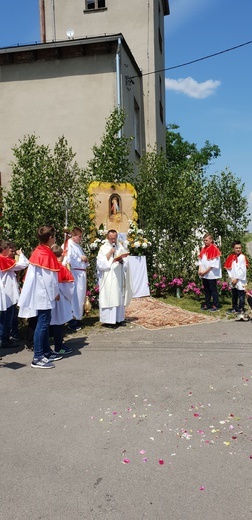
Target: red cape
[(43, 256), (211, 252), (233, 258), (64, 274), (6, 263)]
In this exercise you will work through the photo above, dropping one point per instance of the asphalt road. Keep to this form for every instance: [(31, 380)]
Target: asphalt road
[(135, 425)]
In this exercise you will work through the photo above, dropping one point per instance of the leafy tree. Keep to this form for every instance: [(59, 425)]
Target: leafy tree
[(42, 181), (181, 153), (165, 195), (110, 162), (177, 201), (225, 208)]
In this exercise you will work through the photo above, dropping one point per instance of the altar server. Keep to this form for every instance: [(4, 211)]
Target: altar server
[(38, 295), (210, 271), (236, 265), (62, 312), (78, 262), (9, 291)]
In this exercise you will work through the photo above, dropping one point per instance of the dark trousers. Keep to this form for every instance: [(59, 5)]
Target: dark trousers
[(211, 293), (58, 335), (14, 322), (5, 323), (238, 299)]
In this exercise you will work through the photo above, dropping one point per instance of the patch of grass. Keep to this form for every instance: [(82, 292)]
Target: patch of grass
[(190, 303)]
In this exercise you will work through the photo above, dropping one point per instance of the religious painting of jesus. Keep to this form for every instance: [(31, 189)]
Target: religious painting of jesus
[(115, 204)]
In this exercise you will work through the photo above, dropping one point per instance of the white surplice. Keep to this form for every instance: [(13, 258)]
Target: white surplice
[(78, 269), (9, 285), (62, 312), (39, 291)]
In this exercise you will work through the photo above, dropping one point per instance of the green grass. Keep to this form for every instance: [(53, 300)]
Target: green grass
[(191, 303)]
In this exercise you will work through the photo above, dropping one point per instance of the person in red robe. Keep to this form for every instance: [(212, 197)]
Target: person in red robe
[(39, 294)]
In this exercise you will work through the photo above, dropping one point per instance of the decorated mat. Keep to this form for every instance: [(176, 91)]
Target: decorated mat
[(151, 313)]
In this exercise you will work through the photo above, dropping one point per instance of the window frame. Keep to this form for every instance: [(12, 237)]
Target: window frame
[(96, 6)]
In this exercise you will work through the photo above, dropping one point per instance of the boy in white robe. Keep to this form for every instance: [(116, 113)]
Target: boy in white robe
[(210, 270), (78, 262), (9, 291), (114, 281), (62, 312), (236, 265), (38, 296)]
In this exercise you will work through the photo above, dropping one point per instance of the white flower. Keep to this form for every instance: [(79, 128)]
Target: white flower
[(140, 232), (137, 244), (144, 245)]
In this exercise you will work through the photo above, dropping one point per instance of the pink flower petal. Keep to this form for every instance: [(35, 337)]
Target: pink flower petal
[(161, 462), (126, 461)]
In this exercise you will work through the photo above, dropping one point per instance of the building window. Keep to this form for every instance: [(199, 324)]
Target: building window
[(91, 5), (161, 110), (137, 127), (160, 41)]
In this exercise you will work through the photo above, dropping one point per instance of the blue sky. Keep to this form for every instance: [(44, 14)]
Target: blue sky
[(209, 100)]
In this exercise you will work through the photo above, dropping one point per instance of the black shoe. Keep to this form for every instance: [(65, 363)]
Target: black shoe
[(204, 307), (121, 323), (74, 328), (110, 325), (9, 344), (63, 351)]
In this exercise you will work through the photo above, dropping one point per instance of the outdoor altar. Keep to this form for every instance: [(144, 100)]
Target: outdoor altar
[(139, 276), (114, 207)]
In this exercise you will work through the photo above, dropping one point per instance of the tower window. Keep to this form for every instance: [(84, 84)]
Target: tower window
[(137, 127), (91, 5)]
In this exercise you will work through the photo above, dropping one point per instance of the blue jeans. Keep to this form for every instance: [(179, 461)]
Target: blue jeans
[(41, 333), (5, 323)]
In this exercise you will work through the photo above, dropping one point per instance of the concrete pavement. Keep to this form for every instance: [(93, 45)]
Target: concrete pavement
[(87, 439)]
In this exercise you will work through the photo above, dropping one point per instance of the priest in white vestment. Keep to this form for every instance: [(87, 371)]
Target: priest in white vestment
[(114, 280)]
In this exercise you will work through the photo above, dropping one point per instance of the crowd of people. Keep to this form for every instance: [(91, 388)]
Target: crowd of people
[(54, 288)]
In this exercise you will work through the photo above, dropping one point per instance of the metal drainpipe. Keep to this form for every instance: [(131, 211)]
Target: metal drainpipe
[(118, 78), (42, 21), (53, 21)]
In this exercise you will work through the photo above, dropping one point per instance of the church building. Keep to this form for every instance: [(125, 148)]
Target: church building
[(94, 55)]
